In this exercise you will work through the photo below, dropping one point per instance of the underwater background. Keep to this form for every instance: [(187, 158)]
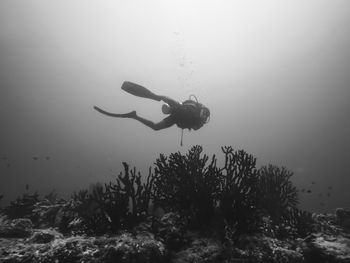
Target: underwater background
[(275, 76)]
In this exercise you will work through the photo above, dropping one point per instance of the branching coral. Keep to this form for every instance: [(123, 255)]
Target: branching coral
[(276, 191), (138, 193), (238, 195), (278, 200), (187, 184), (93, 207), (115, 205)]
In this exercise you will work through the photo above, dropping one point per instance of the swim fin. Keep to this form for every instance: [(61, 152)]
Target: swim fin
[(139, 91), (131, 114)]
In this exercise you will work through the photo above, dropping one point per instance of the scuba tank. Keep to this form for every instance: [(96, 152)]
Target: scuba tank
[(203, 112)]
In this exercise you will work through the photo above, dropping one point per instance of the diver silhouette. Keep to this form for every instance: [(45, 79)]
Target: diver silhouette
[(189, 114)]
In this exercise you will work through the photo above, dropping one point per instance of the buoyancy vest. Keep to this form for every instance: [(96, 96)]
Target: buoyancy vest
[(187, 114)]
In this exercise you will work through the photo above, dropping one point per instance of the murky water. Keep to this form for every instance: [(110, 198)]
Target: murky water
[(274, 75)]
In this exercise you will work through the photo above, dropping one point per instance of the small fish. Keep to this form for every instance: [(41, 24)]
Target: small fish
[(309, 191), (176, 33), (328, 194), (330, 187), (312, 182), (8, 165), (27, 187), (35, 158), (47, 157)]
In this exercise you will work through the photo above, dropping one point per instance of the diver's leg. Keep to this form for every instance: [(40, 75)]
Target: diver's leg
[(143, 92), (138, 90), (165, 123), (131, 114)]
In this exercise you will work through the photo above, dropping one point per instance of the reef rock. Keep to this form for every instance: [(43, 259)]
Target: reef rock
[(201, 250), (166, 239), (259, 249), (326, 248), (53, 247), (139, 248), (171, 229), (44, 236), (343, 218), (17, 228)]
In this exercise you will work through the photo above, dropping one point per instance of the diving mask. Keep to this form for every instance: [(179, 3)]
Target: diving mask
[(205, 114)]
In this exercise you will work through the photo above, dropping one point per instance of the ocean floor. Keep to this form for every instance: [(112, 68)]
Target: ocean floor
[(163, 240)]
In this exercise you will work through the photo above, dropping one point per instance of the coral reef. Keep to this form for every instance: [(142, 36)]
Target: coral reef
[(48, 245), (187, 210)]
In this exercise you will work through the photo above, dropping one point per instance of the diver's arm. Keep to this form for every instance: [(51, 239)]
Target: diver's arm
[(169, 101), (141, 91), (165, 123)]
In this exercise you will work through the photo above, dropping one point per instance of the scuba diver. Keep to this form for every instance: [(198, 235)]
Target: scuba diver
[(189, 114)]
